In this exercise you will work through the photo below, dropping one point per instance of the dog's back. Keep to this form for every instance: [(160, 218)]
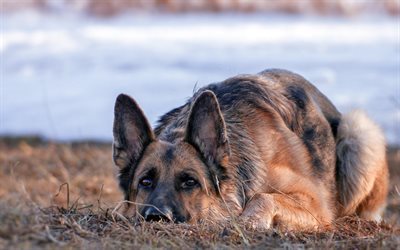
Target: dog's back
[(361, 167)]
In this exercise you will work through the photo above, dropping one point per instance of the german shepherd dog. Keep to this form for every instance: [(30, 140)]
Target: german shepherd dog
[(269, 149)]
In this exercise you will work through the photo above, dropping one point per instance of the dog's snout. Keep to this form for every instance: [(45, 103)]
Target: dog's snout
[(155, 214)]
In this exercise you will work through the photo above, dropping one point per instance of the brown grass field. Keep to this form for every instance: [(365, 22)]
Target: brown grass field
[(55, 195)]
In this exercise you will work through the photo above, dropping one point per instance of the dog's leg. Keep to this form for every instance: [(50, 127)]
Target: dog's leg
[(289, 212), (373, 206)]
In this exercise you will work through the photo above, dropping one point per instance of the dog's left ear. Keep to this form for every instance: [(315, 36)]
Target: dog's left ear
[(206, 131), (132, 132)]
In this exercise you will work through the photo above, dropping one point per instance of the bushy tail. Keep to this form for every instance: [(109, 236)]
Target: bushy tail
[(361, 158)]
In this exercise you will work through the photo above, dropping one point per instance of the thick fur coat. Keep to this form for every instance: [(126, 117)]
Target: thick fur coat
[(268, 148)]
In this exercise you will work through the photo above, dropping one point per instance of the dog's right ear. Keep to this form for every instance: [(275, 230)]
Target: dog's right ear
[(132, 132)]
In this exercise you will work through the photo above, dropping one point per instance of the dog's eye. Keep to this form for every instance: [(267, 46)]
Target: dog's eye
[(189, 183), (146, 182)]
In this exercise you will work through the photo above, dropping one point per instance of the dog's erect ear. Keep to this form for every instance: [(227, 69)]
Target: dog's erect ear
[(132, 132), (207, 132)]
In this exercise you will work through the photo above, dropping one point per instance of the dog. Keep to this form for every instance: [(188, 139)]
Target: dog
[(269, 149)]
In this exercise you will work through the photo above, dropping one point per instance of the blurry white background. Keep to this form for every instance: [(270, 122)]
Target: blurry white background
[(63, 66)]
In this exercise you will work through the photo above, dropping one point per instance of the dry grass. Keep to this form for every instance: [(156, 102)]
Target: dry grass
[(34, 214)]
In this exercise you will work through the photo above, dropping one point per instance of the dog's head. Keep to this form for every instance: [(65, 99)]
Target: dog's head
[(176, 181)]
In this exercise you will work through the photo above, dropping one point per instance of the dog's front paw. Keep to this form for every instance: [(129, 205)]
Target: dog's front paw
[(257, 222), (259, 212)]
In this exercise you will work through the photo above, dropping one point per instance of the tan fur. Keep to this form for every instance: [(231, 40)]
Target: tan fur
[(373, 206), (288, 196), (362, 169), (268, 148)]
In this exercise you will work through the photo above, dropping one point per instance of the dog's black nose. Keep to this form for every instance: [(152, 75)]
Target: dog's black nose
[(154, 214)]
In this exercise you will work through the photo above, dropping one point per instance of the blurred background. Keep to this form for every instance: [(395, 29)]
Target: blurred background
[(63, 62)]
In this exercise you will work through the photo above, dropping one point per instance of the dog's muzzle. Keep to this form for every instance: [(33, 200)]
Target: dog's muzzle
[(158, 214)]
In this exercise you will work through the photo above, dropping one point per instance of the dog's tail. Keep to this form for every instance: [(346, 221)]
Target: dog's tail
[(361, 173)]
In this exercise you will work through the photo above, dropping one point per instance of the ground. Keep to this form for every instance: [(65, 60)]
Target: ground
[(64, 195)]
